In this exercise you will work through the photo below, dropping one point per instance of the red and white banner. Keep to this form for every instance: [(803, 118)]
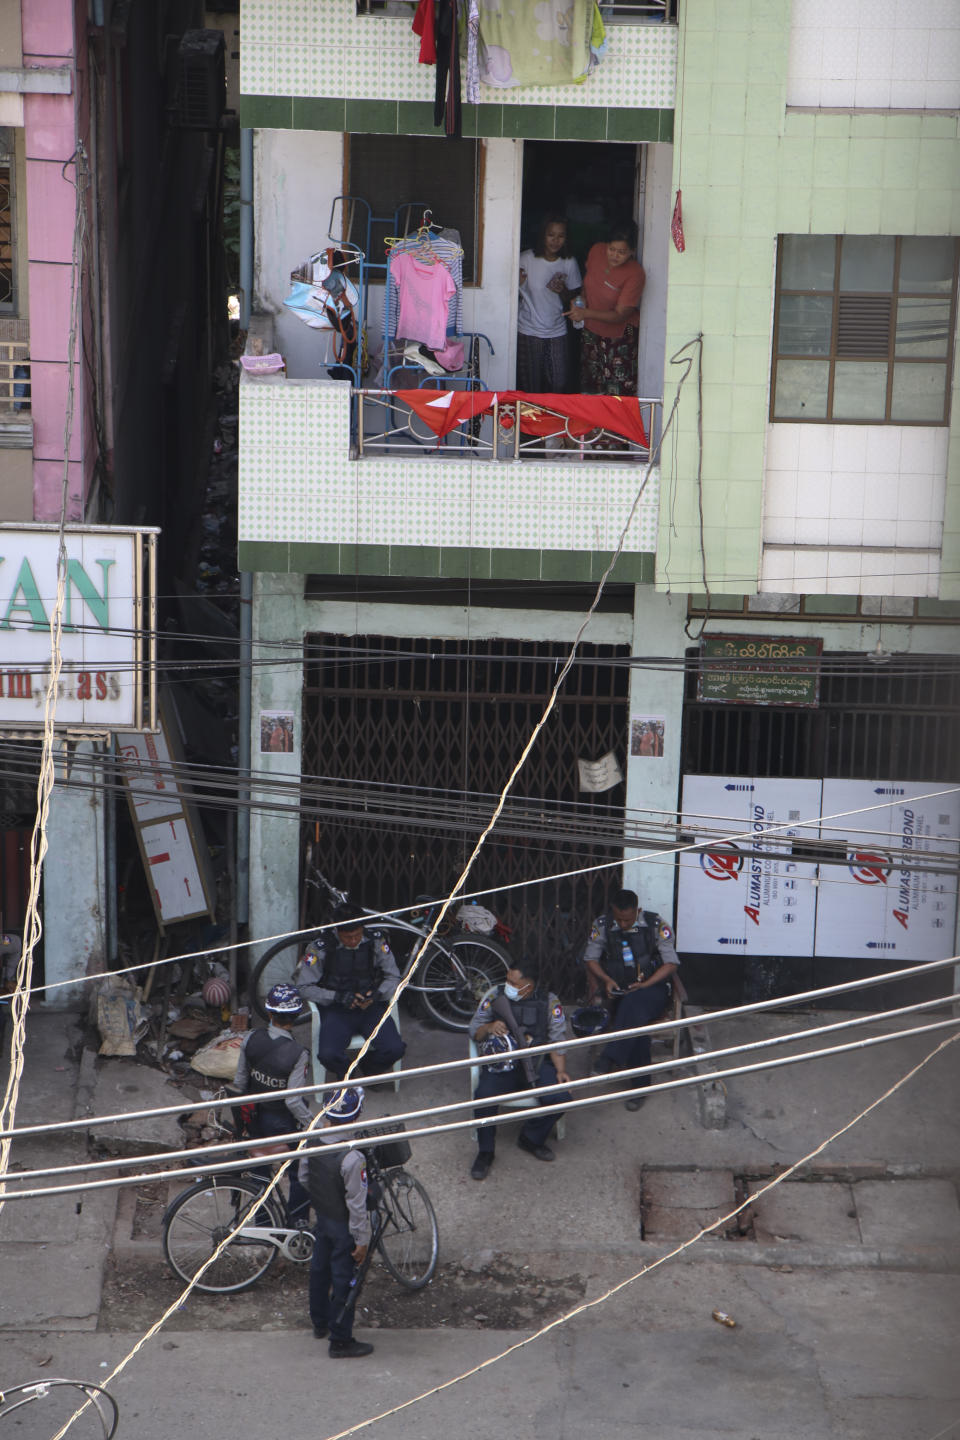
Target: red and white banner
[(576, 415)]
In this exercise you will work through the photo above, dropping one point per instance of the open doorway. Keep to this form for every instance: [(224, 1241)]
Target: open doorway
[(594, 185)]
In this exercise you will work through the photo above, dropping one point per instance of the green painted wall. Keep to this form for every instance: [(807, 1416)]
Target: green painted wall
[(750, 170)]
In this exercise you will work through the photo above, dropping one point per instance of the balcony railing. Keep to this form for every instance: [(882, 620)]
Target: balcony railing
[(617, 11), (14, 380), (384, 424)]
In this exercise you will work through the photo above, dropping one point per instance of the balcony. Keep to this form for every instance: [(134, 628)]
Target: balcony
[(338, 481)]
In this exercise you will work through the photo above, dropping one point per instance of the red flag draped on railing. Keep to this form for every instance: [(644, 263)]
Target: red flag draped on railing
[(575, 415)]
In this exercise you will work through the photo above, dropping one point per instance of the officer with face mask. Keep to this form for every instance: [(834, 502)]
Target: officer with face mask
[(630, 959), (516, 1015), (351, 975)]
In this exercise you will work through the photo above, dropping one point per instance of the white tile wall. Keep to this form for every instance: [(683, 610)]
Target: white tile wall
[(874, 54), (842, 486), (298, 484)]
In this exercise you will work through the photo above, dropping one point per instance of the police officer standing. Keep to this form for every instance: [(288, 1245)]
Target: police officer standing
[(272, 1060), (338, 1190), (518, 1013), (631, 957), (352, 976)]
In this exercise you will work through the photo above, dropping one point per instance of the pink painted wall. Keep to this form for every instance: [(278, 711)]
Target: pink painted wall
[(54, 35)]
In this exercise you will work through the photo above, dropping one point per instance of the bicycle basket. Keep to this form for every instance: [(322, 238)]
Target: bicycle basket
[(390, 1153)]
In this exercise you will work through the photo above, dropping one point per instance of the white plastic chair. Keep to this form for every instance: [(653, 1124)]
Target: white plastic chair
[(356, 1043), (522, 1102)]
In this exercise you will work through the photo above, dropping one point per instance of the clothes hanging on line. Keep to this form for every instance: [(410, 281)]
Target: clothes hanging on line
[(446, 249), (423, 25), (425, 289), (446, 107), (551, 47)]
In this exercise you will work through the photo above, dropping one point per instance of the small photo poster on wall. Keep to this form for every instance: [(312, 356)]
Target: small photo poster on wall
[(276, 732), (646, 735)]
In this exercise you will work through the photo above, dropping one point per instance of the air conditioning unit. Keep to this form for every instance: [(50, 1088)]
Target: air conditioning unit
[(201, 92)]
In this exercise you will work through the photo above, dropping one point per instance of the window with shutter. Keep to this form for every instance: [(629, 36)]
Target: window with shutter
[(864, 329)]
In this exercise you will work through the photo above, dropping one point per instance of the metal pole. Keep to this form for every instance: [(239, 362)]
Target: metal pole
[(246, 227), (245, 699)]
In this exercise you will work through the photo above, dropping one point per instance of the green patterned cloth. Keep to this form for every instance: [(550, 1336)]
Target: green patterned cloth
[(535, 42)]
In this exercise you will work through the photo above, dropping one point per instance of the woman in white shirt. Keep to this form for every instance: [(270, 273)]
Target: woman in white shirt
[(549, 278)]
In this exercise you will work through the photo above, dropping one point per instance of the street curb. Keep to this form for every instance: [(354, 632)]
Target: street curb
[(86, 1084)]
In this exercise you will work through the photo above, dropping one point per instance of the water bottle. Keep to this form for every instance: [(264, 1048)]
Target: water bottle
[(577, 305)]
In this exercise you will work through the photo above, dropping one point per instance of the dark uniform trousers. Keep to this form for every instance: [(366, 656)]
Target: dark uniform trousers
[(503, 1082), (338, 1025), (263, 1126), (636, 1007), (331, 1270)]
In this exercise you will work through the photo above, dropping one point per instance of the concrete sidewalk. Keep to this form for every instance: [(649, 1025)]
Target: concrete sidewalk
[(624, 1186)]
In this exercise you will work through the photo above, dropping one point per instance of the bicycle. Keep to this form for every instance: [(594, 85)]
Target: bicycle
[(404, 1233), (459, 967)]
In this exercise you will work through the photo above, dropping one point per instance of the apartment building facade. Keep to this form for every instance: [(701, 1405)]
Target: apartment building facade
[(796, 357)]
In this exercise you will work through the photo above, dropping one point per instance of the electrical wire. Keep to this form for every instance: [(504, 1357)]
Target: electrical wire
[(38, 839), (213, 1151), (652, 1265), (657, 1029), (620, 863)]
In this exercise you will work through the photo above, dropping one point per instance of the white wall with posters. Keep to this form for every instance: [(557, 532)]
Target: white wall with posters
[(875, 905), (747, 894)]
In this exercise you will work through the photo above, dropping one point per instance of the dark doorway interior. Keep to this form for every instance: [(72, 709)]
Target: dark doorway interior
[(593, 185)]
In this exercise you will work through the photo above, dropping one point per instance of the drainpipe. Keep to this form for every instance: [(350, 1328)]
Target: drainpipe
[(246, 579), (111, 919), (246, 226)]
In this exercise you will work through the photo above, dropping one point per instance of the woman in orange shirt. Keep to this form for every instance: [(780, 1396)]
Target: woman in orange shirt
[(612, 285)]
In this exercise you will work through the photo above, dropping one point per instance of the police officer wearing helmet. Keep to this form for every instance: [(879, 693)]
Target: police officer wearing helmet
[(518, 1011), (272, 1060), (352, 975), (631, 957), (338, 1190)]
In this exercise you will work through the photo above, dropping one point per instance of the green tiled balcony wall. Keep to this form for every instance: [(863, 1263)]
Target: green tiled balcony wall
[(484, 122), (305, 506), (305, 49)]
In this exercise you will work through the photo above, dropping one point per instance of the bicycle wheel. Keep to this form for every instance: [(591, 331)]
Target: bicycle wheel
[(265, 974), (408, 1241), (456, 974), (199, 1218)]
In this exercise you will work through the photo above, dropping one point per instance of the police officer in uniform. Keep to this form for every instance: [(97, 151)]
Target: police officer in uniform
[(517, 1014), (272, 1060), (631, 957), (352, 976), (338, 1190)]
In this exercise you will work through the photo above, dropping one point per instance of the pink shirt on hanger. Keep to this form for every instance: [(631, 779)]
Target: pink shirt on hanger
[(425, 290)]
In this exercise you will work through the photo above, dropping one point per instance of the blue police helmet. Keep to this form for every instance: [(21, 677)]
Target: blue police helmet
[(589, 1020), (344, 1105), (498, 1045), (283, 1000)]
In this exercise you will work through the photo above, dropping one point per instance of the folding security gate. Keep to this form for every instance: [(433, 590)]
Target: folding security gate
[(432, 729), (897, 719)]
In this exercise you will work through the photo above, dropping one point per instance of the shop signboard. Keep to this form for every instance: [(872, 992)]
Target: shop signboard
[(108, 636), (757, 670), (878, 905), (168, 827), (747, 893)]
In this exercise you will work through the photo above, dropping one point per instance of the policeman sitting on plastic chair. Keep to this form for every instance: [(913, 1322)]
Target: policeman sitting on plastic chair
[(351, 975), (631, 958), (518, 1014)]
